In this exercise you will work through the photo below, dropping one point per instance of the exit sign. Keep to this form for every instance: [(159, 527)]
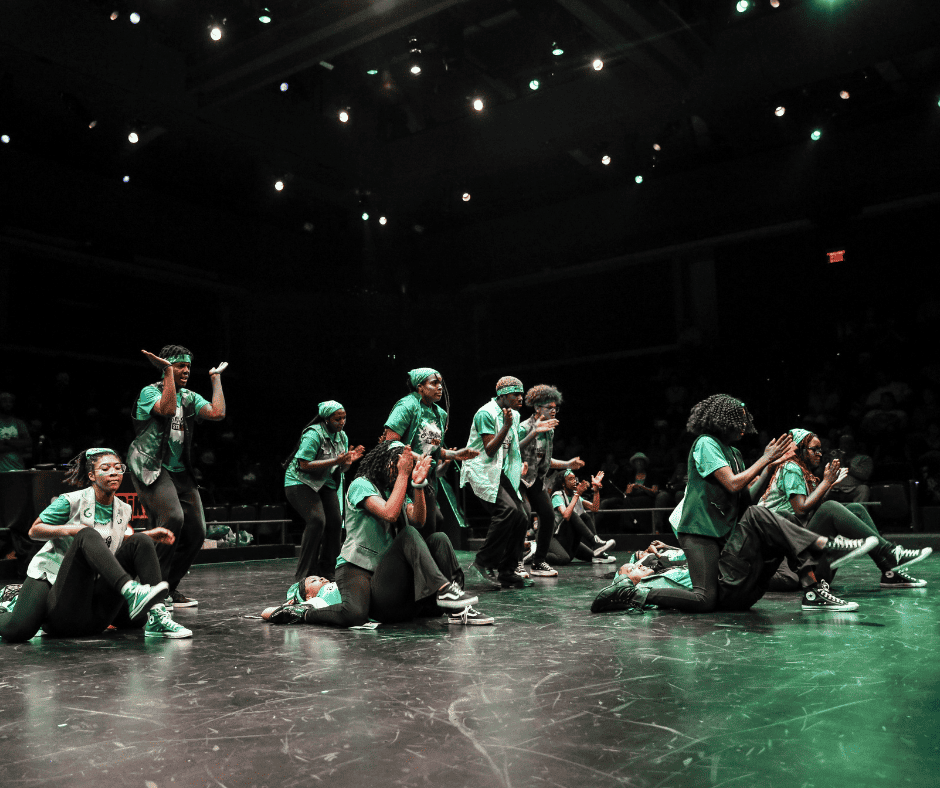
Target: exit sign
[(836, 257)]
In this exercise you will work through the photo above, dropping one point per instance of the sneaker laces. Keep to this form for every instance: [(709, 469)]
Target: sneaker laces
[(900, 552), (464, 614), (823, 590)]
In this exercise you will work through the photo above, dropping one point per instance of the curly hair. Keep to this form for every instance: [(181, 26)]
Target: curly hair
[(175, 350), (719, 415), (377, 464), (542, 393), (812, 481), (81, 465)]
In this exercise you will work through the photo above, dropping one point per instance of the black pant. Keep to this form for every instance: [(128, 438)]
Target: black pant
[(541, 502), (434, 517), (574, 539), (173, 502), (85, 597), (320, 544), (404, 584), (502, 548)]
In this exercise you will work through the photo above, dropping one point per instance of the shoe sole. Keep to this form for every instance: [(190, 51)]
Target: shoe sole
[(870, 544), (515, 583), (921, 557), (486, 581), (471, 622), (848, 608), (601, 549), (904, 585), (457, 604), (599, 560), (144, 604), (536, 573), (191, 603), (167, 635)]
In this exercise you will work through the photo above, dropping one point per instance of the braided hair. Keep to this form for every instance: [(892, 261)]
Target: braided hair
[(799, 459), (377, 464), (318, 419), (719, 415), (175, 350), (542, 393), (81, 465)]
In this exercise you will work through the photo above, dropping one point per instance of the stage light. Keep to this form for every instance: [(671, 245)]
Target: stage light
[(284, 87), (4, 138), (815, 135), (598, 64), (843, 94), (114, 15), (478, 104), (265, 17), (279, 186), (415, 69), (126, 179), (466, 197), (372, 72), (639, 179), (775, 3), (656, 146), (135, 18), (215, 33), (383, 220), (605, 160), (343, 116), (93, 124), (132, 138), (365, 217), (557, 51), (779, 111), (534, 84), (742, 6)]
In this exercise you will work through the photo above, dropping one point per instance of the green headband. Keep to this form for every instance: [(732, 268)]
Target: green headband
[(295, 594), (798, 434), (508, 385), (95, 452), (421, 374), (184, 357), (328, 408)]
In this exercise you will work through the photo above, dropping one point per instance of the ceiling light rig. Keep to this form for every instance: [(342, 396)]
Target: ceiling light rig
[(775, 3), (284, 87), (133, 138), (638, 179), (344, 116), (557, 51), (478, 104), (779, 112), (114, 16), (414, 56), (372, 72), (134, 17), (817, 133), (742, 6), (5, 139), (215, 33), (534, 84), (383, 221), (605, 160), (279, 186), (843, 94), (126, 179), (597, 64), (657, 146), (365, 216), (465, 197), (265, 16)]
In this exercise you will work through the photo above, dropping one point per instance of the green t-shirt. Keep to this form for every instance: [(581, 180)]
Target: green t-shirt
[(421, 427), (708, 456), (11, 429), (485, 423), (367, 538), (149, 396), (57, 512), (789, 481), (317, 443), (708, 509)]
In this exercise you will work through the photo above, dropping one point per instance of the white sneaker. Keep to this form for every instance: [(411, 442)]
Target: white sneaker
[(521, 571), (542, 569), (469, 616), (603, 558), (603, 547)]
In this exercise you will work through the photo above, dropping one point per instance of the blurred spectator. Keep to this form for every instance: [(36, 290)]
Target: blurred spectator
[(15, 443), (854, 487)]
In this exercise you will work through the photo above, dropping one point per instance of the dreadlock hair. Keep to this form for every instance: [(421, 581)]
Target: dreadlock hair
[(318, 419), (799, 459), (376, 465), (412, 389), (542, 393), (81, 465), (719, 415), (175, 350), (558, 483)]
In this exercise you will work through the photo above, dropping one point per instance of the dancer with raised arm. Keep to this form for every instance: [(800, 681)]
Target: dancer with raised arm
[(160, 462)]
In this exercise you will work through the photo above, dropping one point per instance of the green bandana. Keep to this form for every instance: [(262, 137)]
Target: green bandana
[(183, 357), (508, 385), (421, 374), (798, 434), (295, 593), (328, 408), (96, 452)]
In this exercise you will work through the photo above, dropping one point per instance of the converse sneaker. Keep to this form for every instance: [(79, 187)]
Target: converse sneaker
[(522, 571), (160, 625), (509, 579), (603, 547), (469, 616), (453, 597), (140, 596), (846, 550), (895, 579), (819, 598), (289, 614), (603, 558), (179, 600), (898, 556), (9, 596), (489, 576), (619, 596), (542, 569)]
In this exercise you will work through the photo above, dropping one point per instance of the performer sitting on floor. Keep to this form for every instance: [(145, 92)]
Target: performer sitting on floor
[(313, 476), (160, 463), (386, 570), (574, 537), (536, 438), (795, 492), (419, 422), (82, 578), (746, 565)]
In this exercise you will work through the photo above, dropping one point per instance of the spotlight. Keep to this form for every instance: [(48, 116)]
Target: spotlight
[(534, 84), (265, 17), (93, 124), (279, 186), (598, 64), (478, 104), (415, 69), (114, 15), (126, 179), (657, 146), (775, 3), (815, 135), (466, 197), (843, 94), (605, 159), (742, 6), (779, 111), (383, 220), (343, 116), (135, 18), (557, 51), (132, 138), (215, 33), (284, 87), (372, 72), (639, 179), (4, 138), (365, 217)]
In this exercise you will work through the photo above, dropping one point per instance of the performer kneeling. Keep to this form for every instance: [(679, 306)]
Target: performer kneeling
[(386, 571), (82, 578)]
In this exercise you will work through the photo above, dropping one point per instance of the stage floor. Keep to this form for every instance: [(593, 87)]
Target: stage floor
[(550, 696)]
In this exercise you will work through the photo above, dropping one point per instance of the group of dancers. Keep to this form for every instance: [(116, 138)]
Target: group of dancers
[(394, 563)]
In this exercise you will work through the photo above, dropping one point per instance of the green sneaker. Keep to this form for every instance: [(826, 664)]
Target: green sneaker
[(139, 596), (160, 625)]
